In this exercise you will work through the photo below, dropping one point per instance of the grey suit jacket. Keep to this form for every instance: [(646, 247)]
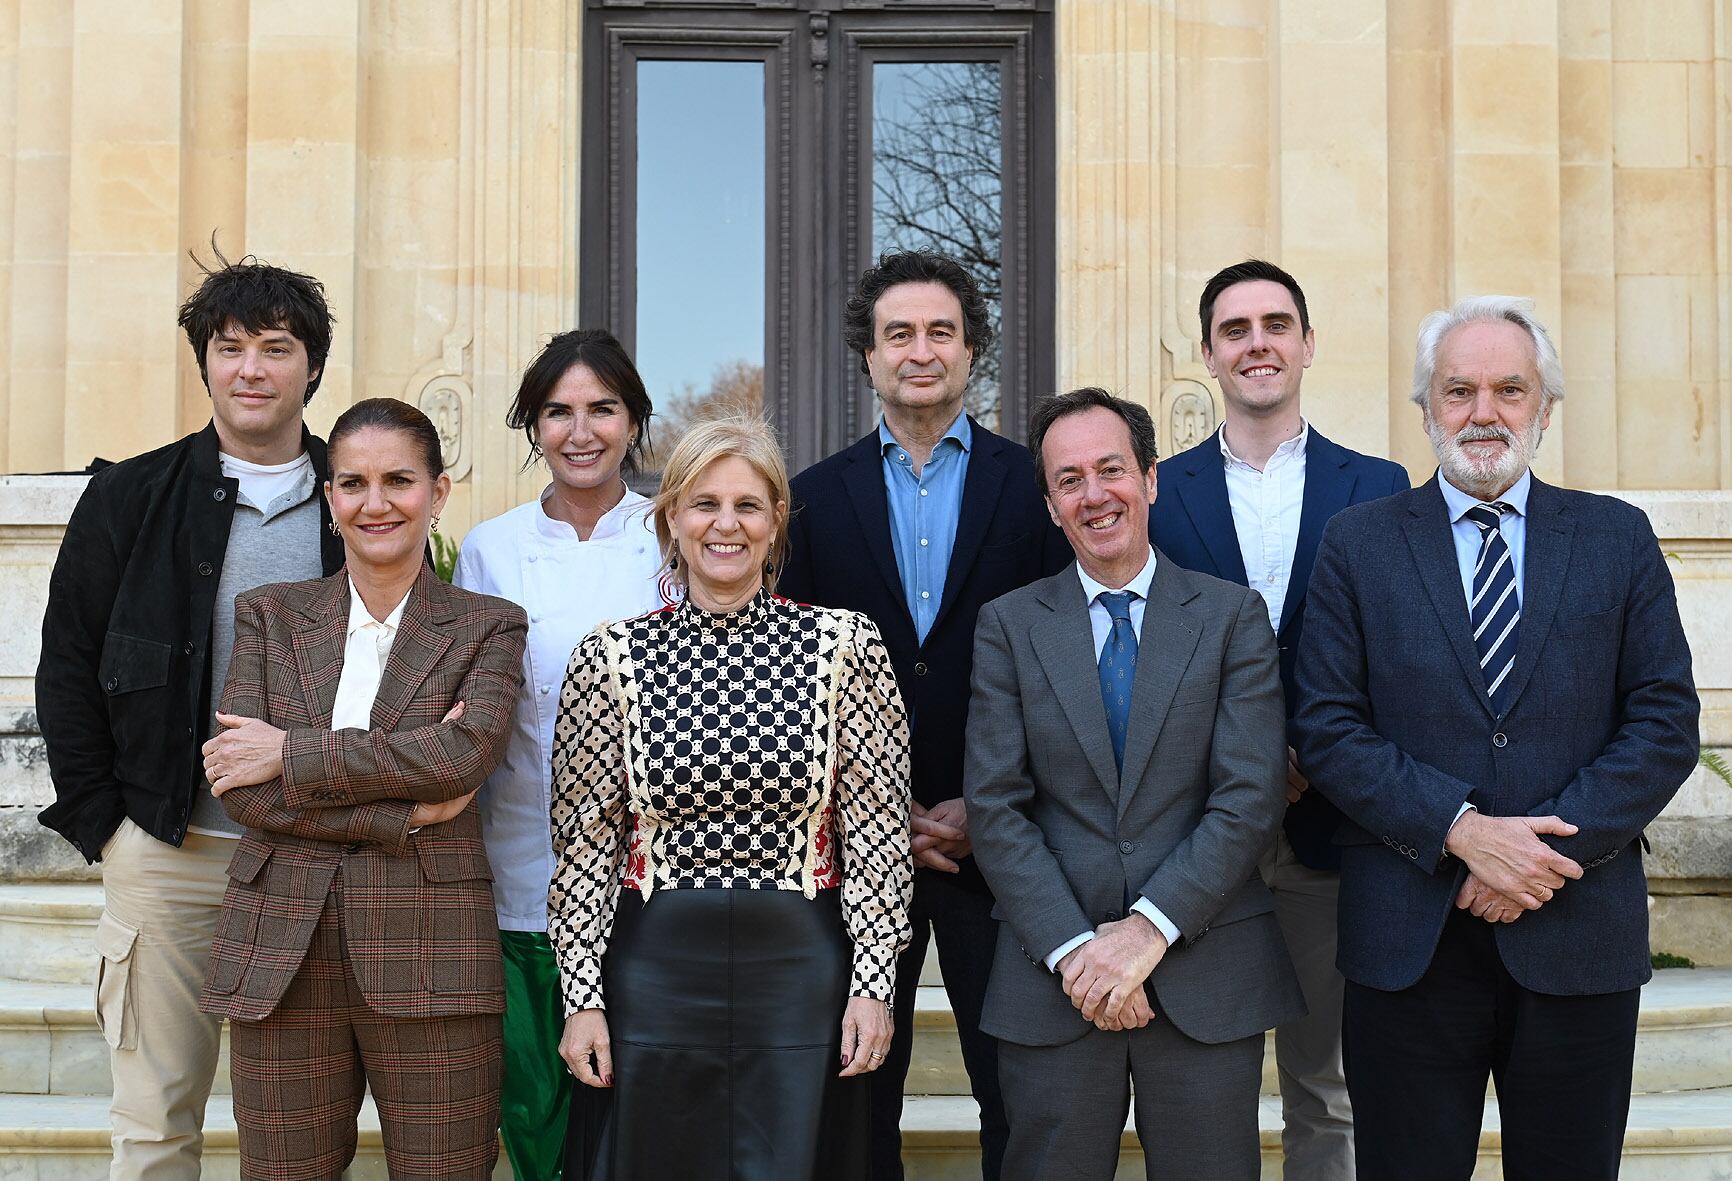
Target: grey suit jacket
[(1066, 841)]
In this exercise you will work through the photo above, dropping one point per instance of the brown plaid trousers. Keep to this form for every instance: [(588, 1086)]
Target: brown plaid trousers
[(328, 872)]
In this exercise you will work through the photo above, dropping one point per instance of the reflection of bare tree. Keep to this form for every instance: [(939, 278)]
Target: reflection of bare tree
[(736, 387), (937, 183)]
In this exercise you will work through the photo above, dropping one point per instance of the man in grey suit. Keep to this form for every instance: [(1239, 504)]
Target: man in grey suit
[(1126, 768)]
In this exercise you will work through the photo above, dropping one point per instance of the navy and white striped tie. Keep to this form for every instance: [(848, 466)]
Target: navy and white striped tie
[(1495, 608)]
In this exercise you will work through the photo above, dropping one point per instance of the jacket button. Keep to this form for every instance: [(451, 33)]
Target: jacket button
[(219, 494), (1500, 740), (189, 647), (356, 847), (112, 684), (920, 668), (1127, 847), (204, 568), (1112, 916)]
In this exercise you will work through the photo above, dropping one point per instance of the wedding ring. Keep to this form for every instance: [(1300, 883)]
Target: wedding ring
[(876, 1057)]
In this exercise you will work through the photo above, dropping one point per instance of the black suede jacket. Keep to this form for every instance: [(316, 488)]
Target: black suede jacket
[(123, 687)]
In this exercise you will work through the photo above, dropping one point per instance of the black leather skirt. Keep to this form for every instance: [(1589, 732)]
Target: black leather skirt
[(725, 1013)]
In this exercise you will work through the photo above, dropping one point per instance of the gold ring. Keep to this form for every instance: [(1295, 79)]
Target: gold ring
[(876, 1057)]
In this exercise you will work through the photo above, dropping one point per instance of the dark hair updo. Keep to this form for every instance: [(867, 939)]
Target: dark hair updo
[(390, 414)]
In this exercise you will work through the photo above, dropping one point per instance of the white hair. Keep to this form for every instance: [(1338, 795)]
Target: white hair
[(1480, 308)]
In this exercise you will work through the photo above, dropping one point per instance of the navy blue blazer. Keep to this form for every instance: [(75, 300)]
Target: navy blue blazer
[(841, 555), (1192, 523), (1394, 725)]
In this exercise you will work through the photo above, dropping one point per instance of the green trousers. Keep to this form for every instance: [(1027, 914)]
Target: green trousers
[(536, 1097)]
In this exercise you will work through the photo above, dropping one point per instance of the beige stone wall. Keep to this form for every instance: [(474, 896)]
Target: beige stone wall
[(1395, 155), (422, 159)]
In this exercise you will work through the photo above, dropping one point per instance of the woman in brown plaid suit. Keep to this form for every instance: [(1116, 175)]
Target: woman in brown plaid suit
[(730, 815), (358, 946)]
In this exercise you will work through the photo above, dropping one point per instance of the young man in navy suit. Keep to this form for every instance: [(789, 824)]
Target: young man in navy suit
[(1495, 688), (918, 525), (1248, 504)]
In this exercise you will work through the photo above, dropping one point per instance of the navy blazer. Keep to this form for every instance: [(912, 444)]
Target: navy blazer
[(1192, 523), (841, 555), (1394, 725)]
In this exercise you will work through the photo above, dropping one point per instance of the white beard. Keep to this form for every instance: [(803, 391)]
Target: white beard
[(1484, 476)]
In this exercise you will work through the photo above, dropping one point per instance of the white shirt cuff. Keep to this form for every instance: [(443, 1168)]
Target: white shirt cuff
[(1065, 949), (1460, 812), (1163, 924)]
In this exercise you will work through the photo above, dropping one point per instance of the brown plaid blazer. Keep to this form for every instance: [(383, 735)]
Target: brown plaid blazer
[(417, 908)]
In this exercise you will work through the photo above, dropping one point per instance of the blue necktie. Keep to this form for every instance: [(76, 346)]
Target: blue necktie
[(1494, 609), (1118, 669)]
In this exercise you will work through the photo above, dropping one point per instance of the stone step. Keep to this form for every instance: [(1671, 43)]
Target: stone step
[(1686, 1136), (48, 931), (1683, 1039), (1676, 1137), (65, 1138), (50, 1045)]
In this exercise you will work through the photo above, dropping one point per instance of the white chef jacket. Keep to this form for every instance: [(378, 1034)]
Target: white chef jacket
[(566, 586)]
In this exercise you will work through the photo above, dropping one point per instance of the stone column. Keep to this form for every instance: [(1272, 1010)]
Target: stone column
[(123, 224)]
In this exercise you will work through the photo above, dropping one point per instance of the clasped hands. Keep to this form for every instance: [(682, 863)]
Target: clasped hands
[(940, 834), (249, 752), (1510, 870), (1104, 977)]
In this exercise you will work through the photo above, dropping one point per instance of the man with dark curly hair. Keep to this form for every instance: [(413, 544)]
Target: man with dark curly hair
[(135, 647), (918, 525)]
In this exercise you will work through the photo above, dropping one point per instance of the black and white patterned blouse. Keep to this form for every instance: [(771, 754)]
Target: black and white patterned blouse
[(697, 749)]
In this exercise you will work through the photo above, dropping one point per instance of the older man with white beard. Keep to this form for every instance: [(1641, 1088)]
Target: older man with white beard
[(1496, 692)]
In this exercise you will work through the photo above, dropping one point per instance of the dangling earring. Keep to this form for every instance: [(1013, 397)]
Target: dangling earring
[(674, 559), (435, 522), (335, 532), (769, 568)]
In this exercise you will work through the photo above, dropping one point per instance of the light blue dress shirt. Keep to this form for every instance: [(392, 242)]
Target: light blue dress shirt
[(1513, 527), (1466, 535), (1101, 624), (924, 510)]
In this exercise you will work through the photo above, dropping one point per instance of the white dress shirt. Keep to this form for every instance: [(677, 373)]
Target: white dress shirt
[(1101, 623), (567, 587), (364, 654), (1266, 508)]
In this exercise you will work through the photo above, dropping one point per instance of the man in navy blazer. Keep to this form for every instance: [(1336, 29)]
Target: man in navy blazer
[(1248, 504), (1495, 689), (918, 525)]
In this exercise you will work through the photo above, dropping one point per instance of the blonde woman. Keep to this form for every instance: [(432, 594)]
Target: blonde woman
[(730, 817)]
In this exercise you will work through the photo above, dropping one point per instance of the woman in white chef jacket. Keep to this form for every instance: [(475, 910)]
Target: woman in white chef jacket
[(582, 552)]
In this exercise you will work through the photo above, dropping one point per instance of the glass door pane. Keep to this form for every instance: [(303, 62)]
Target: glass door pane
[(700, 239), (938, 182)]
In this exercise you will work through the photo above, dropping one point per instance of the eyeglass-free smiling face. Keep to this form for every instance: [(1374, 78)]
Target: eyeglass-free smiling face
[(583, 430), (1095, 493), (383, 498), (725, 525), (1257, 350)]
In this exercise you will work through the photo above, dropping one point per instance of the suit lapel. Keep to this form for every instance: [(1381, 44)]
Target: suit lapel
[(1204, 494), (1545, 569), (1429, 538), (420, 642), (1164, 651), (864, 480), (1328, 490), (980, 489), (1064, 641), (319, 645)]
